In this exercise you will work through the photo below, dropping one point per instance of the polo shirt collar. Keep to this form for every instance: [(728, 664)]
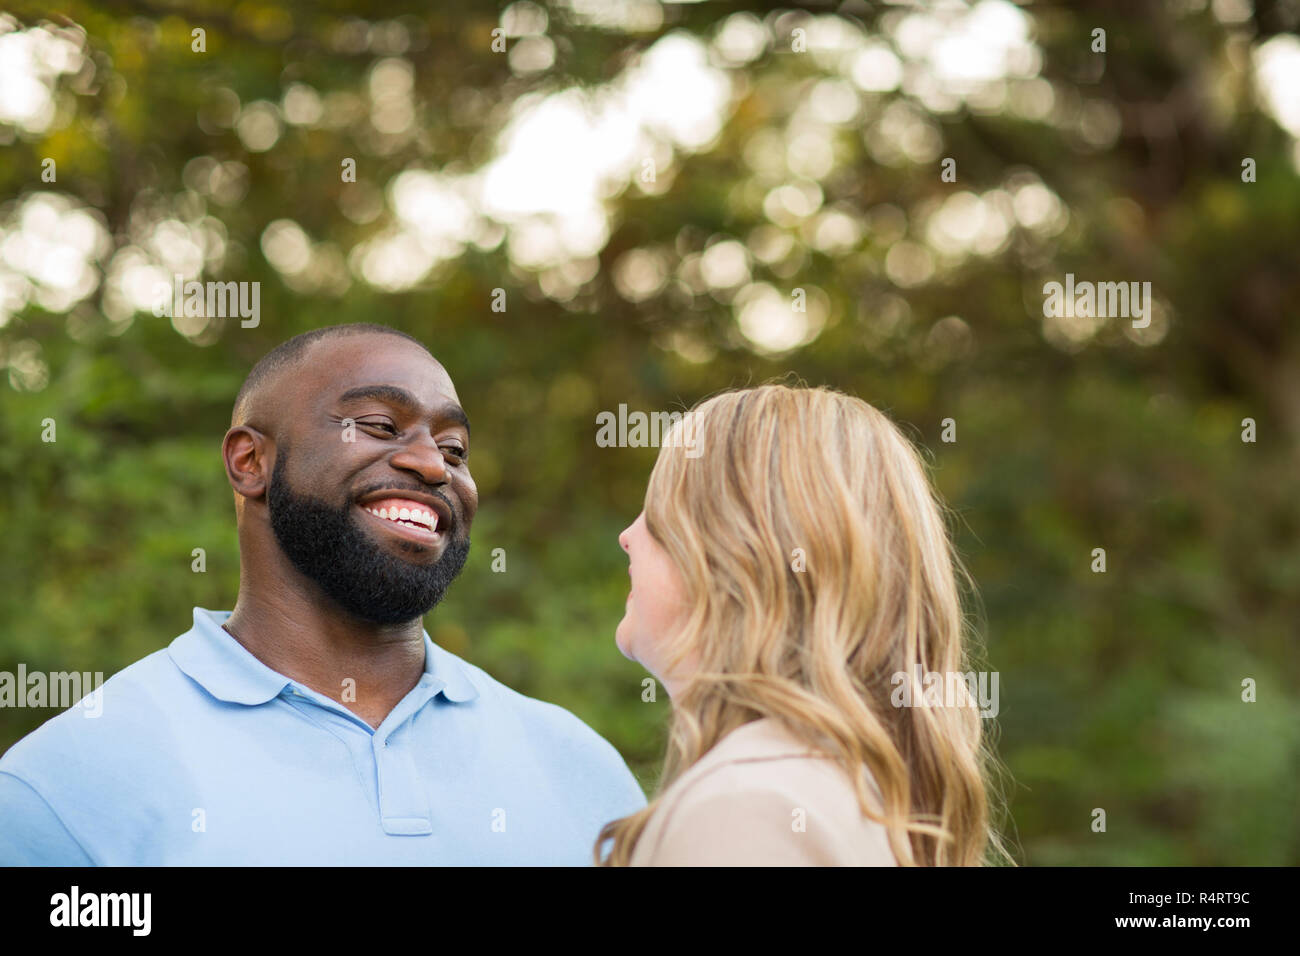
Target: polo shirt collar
[(226, 670)]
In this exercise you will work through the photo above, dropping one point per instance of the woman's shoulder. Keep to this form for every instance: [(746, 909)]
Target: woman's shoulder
[(762, 796), (765, 755), (759, 740)]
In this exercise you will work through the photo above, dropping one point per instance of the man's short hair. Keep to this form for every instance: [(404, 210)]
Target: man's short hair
[(290, 352)]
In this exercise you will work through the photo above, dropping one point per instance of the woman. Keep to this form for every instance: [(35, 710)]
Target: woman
[(789, 562)]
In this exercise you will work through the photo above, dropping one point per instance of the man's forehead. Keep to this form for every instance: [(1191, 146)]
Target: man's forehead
[(346, 362)]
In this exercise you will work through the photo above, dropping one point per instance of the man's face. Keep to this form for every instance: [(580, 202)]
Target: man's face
[(338, 494)]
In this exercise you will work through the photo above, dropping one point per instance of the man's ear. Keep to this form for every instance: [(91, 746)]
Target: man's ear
[(247, 454)]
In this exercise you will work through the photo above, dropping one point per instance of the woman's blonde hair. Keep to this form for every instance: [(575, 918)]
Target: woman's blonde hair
[(816, 566)]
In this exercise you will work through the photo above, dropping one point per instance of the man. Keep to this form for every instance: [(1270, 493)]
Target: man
[(317, 723)]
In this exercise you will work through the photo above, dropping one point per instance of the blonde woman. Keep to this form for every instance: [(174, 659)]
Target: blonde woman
[(790, 560)]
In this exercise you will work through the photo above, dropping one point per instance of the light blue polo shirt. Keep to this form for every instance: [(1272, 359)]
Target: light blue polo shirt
[(203, 755)]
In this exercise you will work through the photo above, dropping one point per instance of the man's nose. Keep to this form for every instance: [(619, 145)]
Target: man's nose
[(424, 457)]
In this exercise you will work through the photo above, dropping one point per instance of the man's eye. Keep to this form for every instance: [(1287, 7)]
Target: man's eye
[(456, 451), (384, 425)]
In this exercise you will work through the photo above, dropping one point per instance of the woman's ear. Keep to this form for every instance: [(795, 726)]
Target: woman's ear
[(246, 454)]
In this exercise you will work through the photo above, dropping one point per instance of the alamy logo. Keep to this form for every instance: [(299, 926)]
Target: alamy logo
[(211, 299), (648, 430), (102, 909), (1100, 300), (950, 689), (56, 689)]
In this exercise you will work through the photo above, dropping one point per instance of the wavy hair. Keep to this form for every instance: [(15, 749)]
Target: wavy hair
[(817, 566)]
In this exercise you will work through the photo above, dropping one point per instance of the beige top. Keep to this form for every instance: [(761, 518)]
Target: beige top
[(761, 797)]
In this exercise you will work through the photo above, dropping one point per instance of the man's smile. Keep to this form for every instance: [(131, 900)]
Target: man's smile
[(408, 519), (413, 515)]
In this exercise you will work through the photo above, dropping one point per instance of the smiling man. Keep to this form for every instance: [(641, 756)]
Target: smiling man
[(317, 723)]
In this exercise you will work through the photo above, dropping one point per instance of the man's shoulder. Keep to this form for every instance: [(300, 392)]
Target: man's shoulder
[(533, 711), (131, 707), (545, 725), (112, 756)]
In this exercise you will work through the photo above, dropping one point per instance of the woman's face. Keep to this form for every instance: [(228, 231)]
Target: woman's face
[(656, 603)]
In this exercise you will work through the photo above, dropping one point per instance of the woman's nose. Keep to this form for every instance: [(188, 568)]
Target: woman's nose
[(622, 539)]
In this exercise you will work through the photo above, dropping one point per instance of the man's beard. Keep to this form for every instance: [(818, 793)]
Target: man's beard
[(327, 545)]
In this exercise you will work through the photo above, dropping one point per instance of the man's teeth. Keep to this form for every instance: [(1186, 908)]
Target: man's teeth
[(427, 518)]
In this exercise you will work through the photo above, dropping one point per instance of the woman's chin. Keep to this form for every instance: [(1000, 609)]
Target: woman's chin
[(619, 643)]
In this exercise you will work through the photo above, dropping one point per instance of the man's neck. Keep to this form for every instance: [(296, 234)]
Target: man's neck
[(366, 667)]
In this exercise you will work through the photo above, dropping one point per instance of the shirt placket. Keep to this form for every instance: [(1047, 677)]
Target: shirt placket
[(404, 808)]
